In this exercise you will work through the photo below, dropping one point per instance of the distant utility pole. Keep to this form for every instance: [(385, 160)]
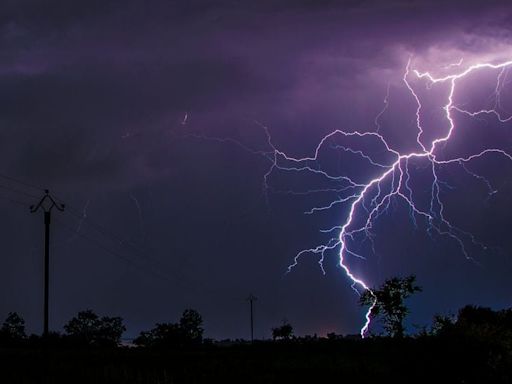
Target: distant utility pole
[(252, 299), (46, 204)]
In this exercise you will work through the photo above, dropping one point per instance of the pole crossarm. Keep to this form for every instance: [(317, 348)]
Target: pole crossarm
[(50, 206)]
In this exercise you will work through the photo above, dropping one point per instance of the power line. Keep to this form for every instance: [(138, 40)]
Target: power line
[(125, 242), (121, 241), (10, 178), (74, 211), (16, 201), (102, 230), (137, 252), (137, 266), (118, 239), (97, 227), (19, 191), (109, 251)]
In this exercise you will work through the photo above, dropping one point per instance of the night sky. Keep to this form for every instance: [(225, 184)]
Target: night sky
[(147, 118)]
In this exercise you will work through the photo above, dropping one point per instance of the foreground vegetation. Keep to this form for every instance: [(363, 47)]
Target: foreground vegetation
[(473, 347), (425, 359)]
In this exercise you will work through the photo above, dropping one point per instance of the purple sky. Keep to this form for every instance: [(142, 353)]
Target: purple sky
[(93, 100)]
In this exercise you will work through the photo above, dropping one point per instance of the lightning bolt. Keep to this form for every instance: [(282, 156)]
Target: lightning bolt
[(398, 172), (185, 119), (384, 109), (367, 200)]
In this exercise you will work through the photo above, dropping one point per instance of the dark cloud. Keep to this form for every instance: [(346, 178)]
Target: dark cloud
[(93, 99)]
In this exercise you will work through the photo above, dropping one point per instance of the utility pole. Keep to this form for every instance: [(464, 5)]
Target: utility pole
[(46, 204), (251, 299)]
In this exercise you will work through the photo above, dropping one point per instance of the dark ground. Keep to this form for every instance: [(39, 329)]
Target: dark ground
[(424, 359)]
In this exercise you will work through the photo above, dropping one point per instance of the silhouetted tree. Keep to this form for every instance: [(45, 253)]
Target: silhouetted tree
[(110, 331), (84, 326), (478, 323), (13, 328), (388, 302), (188, 331), (146, 338), (487, 332), (332, 336), (283, 332), (191, 324), (473, 316), (163, 335), (88, 328), (442, 324)]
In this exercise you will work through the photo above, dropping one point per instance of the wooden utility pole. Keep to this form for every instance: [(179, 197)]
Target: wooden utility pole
[(46, 204), (251, 299)]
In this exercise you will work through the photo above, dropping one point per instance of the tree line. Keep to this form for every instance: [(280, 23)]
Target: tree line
[(89, 329), (389, 307)]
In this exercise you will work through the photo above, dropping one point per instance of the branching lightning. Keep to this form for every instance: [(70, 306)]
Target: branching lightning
[(366, 200)]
